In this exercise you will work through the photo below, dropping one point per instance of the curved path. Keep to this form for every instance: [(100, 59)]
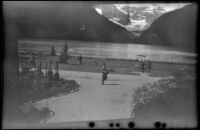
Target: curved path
[(95, 101)]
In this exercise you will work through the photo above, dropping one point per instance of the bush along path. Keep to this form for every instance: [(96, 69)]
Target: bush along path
[(148, 91), (34, 85), (170, 97)]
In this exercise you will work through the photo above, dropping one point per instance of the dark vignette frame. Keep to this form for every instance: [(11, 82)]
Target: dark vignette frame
[(9, 57)]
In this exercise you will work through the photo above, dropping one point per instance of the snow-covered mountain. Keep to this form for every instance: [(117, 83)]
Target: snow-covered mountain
[(135, 17)]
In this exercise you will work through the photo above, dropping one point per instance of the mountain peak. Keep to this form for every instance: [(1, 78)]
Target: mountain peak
[(136, 17)]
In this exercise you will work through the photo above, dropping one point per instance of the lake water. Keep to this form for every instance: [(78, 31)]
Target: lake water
[(111, 50)]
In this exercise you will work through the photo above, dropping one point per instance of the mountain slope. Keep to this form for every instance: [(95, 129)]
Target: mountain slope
[(140, 18), (112, 13), (176, 28), (67, 20)]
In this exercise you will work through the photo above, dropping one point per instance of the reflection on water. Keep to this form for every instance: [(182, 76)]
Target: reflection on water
[(114, 50)]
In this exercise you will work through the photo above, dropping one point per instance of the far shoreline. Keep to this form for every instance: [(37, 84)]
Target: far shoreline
[(120, 59), (194, 62), (117, 66), (74, 41)]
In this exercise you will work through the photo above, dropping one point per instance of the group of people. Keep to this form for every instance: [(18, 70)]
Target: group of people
[(142, 66), (79, 59), (105, 71)]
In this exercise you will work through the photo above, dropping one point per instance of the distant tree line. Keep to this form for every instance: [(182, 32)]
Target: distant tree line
[(63, 58)]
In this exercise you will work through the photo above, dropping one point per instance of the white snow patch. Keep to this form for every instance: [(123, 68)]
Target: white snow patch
[(116, 22), (142, 23), (119, 6), (99, 11), (139, 24), (116, 19), (123, 11), (149, 11)]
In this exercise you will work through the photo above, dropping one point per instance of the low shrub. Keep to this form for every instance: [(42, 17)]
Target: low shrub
[(33, 89), (149, 92), (184, 73)]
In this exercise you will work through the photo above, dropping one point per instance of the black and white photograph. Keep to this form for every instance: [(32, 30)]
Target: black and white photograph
[(96, 64)]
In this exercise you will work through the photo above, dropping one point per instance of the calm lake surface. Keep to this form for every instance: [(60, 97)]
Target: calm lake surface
[(111, 50)]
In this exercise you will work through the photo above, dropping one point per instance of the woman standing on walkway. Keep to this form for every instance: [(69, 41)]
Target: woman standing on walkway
[(104, 73)]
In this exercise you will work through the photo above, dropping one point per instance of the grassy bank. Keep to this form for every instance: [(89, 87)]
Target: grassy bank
[(118, 66), (30, 87)]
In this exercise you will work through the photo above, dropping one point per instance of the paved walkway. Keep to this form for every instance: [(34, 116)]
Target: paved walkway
[(95, 101)]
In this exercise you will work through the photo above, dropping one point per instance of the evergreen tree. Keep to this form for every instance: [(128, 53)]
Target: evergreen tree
[(53, 52), (65, 49), (64, 54)]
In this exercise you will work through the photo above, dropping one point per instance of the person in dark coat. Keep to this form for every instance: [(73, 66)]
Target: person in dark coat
[(77, 60), (80, 59), (104, 73), (142, 66), (149, 65), (33, 64)]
